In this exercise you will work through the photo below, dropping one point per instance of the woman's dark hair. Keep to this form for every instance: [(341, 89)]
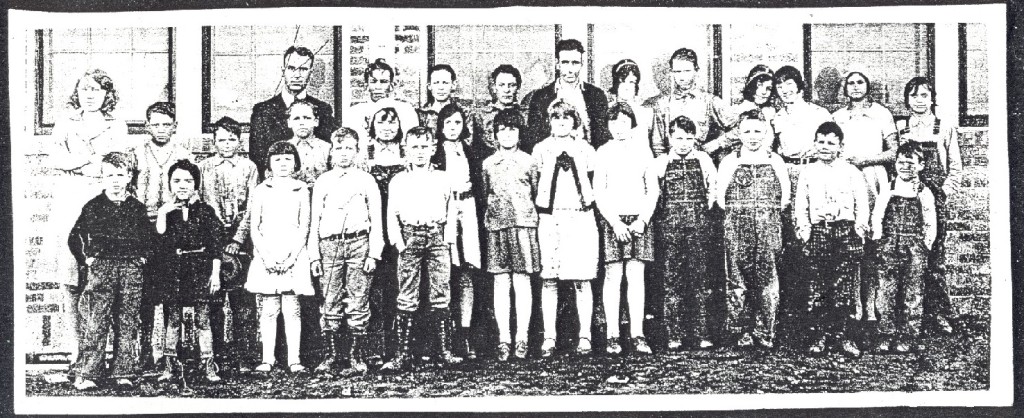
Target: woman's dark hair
[(620, 108), (787, 73), (446, 112), (283, 148), (753, 84), (560, 107), (867, 81), (430, 77), (830, 127), (760, 69), (684, 54), (389, 114), (105, 82), (916, 83), (509, 118), (187, 166), (378, 64), (230, 125), (623, 69), (124, 161)]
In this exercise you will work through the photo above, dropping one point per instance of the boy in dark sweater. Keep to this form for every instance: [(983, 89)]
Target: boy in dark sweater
[(111, 241)]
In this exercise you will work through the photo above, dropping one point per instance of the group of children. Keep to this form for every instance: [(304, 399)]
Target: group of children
[(411, 206)]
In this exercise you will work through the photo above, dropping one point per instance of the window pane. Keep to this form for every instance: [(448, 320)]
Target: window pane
[(977, 69), (246, 65), (888, 54), (647, 45), (748, 45), (475, 51), (137, 59)]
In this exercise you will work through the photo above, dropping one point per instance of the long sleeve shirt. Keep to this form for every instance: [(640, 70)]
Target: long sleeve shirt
[(346, 201), (78, 144), (831, 192), (906, 189), (112, 229), (730, 163), (657, 169), (154, 162), (226, 186), (313, 155), (420, 197), (922, 129), (795, 126), (621, 183), (551, 155), (703, 108), (510, 181)]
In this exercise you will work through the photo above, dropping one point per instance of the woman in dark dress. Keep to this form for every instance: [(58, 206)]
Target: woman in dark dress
[(190, 244)]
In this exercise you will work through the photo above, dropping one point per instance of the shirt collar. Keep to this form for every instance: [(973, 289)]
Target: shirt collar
[(560, 86), (682, 95), (78, 113), (922, 120), (218, 160), (288, 98), (302, 142)]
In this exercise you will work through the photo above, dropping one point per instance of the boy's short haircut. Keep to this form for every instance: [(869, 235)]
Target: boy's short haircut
[(283, 148), (621, 108), (623, 69), (830, 127), (124, 161), (913, 85), (419, 132), (228, 124), (752, 114), (788, 72), (507, 69), (567, 45), (684, 123), (302, 102), (301, 50), (390, 114), (684, 54), (378, 64), (561, 107), (164, 108), (911, 149), (345, 132), (509, 118), (187, 166)]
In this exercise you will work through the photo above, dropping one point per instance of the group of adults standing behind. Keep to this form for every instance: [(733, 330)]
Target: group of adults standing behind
[(694, 263)]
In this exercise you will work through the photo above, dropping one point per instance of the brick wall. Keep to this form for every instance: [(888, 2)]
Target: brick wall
[(967, 242)]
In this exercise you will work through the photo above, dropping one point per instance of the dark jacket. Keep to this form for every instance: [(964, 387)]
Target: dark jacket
[(269, 124), (106, 229), (539, 128)]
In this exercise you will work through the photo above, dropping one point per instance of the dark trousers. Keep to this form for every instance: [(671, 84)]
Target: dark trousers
[(684, 264), (111, 299), (834, 253)]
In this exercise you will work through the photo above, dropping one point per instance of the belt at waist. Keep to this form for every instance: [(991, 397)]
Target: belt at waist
[(423, 227), (346, 235), (586, 209), (799, 160), (462, 195), (181, 251), (835, 223)]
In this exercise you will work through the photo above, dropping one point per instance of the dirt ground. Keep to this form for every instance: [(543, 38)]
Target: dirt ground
[(948, 362)]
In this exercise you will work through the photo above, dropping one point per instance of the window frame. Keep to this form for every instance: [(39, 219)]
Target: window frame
[(207, 66), (134, 127), (929, 48), (966, 119)]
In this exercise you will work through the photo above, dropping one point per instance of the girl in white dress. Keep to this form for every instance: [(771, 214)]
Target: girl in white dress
[(280, 269)]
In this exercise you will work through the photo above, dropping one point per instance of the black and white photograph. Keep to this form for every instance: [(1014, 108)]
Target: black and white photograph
[(510, 209)]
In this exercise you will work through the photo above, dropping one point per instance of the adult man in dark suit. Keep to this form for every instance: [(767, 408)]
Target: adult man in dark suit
[(269, 118), (589, 100)]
